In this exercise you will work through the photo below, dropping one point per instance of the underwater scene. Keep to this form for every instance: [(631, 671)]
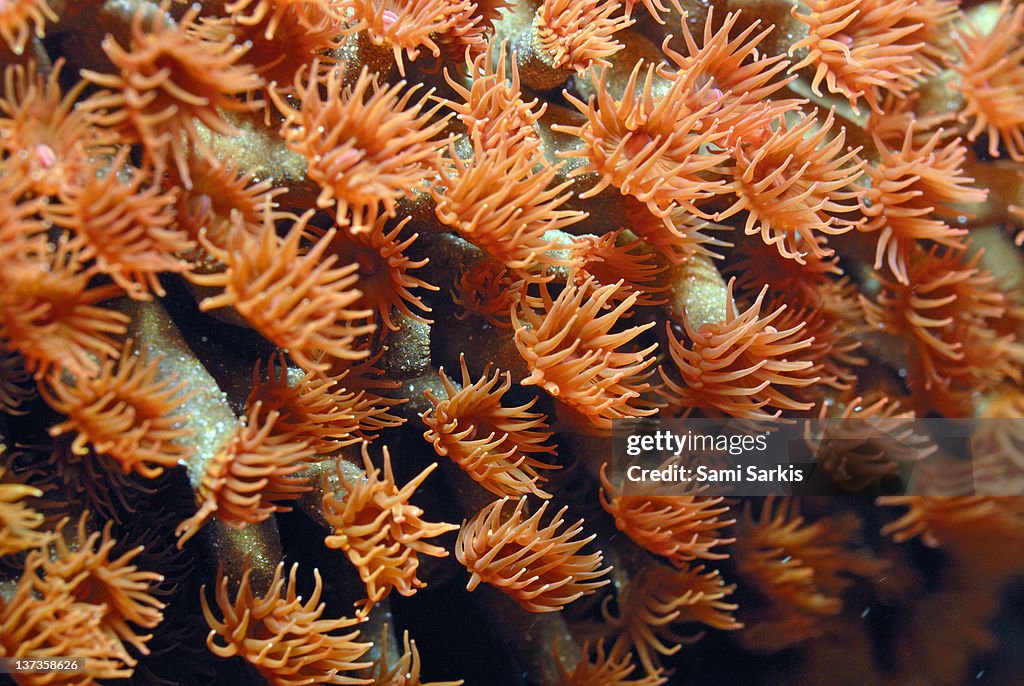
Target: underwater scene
[(512, 343)]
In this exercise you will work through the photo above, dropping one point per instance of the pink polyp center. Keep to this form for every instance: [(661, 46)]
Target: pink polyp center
[(707, 92), (347, 158), (636, 143), (387, 18), (758, 136), (201, 205), (369, 263), (712, 96), (45, 156)]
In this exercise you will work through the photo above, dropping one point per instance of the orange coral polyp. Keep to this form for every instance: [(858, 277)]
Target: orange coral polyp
[(948, 308), (127, 412), (910, 189), (863, 48), (495, 445), (504, 204), (660, 597), (607, 668), (655, 148), (124, 226), (168, 80), (406, 25), (577, 34), (93, 575), (57, 625), (802, 565), (311, 408), (991, 72), (487, 291), (739, 366), (473, 31), (492, 107), (35, 116), (831, 324), (384, 270), (681, 528), (284, 638), (573, 354), (732, 71), (51, 317), (541, 568), (221, 190), (854, 461), (794, 185), (22, 19), (285, 35), (629, 264), (255, 468), (940, 520), (297, 299), (366, 144), (380, 531)]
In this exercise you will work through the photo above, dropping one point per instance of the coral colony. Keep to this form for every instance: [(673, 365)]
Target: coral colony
[(312, 309)]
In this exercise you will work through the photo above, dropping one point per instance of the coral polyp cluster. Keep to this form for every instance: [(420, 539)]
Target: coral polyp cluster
[(381, 290)]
